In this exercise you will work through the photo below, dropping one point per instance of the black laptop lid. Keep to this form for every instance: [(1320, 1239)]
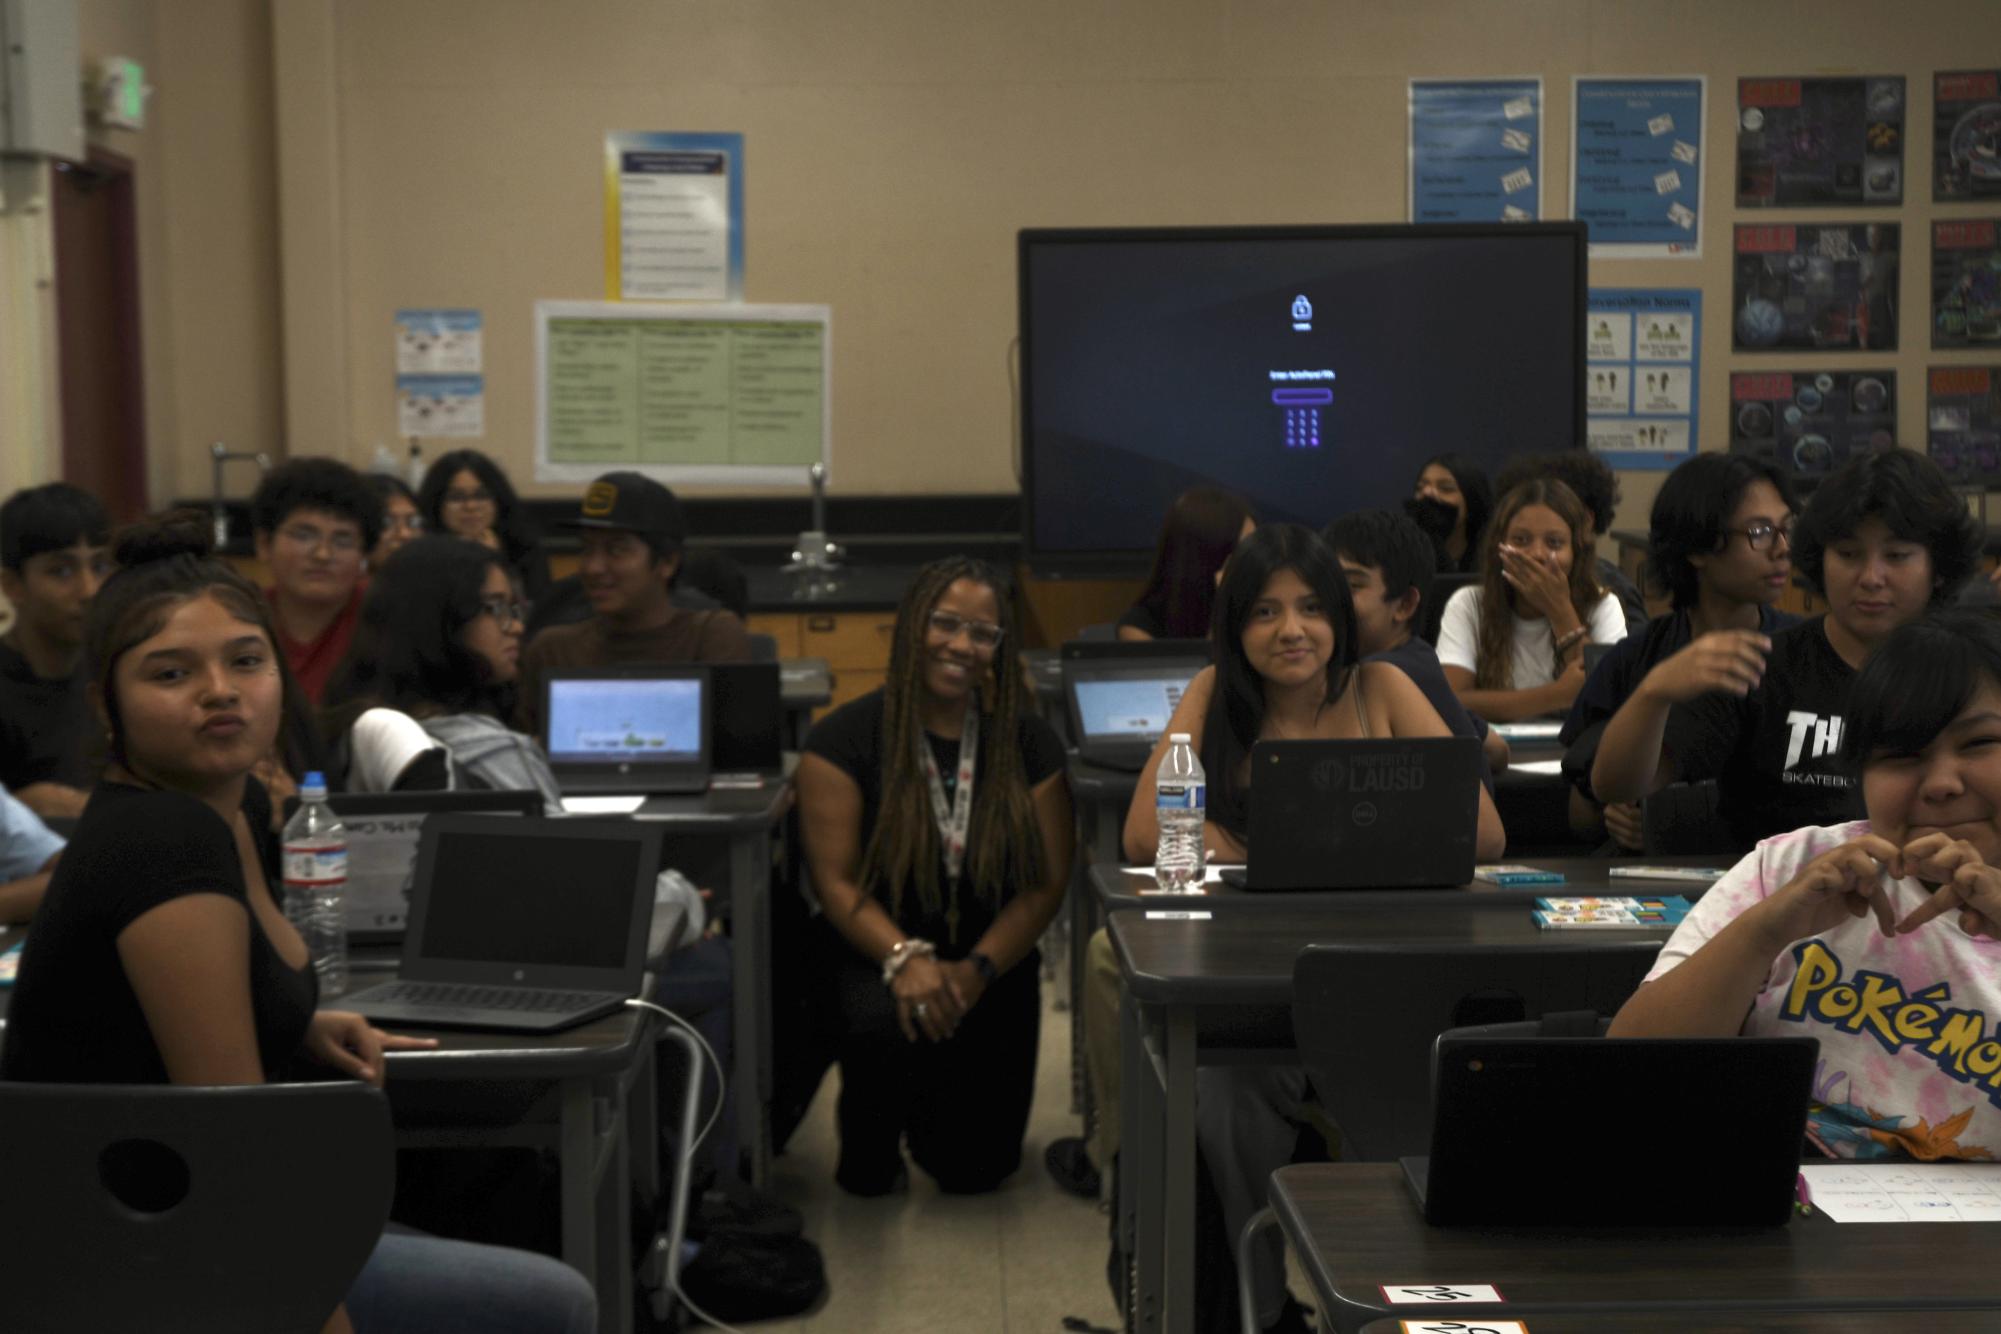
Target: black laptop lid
[(634, 722), (746, 718), (1701, 1131), (382, 836), (1399, 813), (535, 902)]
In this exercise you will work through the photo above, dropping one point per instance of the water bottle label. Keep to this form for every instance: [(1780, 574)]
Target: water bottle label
[(1176, 797), (315, 866)]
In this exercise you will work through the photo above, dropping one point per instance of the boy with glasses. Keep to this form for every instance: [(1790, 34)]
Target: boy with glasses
[(1720, 542), (54, 553), (314, 521), (633, 530)]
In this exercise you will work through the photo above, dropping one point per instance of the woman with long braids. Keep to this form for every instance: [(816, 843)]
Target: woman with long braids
[(937, 825)]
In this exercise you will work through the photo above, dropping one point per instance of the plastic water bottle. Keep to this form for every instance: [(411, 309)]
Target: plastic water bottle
[(1180, 800), (316, 882)]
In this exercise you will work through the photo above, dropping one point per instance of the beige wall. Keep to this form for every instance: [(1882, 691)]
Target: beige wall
[(448, 152)]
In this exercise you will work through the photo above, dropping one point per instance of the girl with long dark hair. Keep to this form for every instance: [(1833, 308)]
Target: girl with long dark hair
[(1451, 501), (160, 955), (1198, 535), (466, 494), (937, 824), (419, 700)]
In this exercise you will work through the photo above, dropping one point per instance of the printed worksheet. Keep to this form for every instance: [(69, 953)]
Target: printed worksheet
[(1906, 1192)]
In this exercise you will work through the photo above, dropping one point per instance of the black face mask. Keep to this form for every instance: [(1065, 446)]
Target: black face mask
[(1434, 516)]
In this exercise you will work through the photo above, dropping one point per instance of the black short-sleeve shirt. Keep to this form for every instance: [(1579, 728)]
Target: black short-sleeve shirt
[(74, 1018), (44, 726), (1775, 754), (850, 738), (1143, 619)]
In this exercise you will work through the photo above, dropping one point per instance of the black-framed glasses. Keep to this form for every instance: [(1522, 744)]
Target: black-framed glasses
[(1758, 536), (309, 538), (477, 496), (505, 610), (984, 634)]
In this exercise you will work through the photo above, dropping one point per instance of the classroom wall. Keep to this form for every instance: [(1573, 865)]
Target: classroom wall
[(449, 153)]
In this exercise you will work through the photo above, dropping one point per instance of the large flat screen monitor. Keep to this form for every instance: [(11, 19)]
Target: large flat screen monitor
[(1310, 369)]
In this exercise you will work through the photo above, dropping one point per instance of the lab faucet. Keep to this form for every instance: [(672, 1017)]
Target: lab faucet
[(816, 555), (220, 458)]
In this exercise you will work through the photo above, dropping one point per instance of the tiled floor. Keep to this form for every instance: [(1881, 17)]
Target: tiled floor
[(1014, 1262)]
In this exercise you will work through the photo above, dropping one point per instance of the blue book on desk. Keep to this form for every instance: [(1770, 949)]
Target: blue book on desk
[(1555, 914)]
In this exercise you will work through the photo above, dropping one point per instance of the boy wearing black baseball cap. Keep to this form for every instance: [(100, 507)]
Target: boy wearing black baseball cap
[(633, 530)]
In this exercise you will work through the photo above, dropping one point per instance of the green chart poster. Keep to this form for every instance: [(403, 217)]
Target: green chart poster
[(735, 393)]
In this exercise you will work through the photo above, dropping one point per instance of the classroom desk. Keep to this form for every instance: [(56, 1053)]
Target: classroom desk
[(1219, 991), (587, 1091), (744, 819), (1101, 796), (1355, 1226), (1713, 1322)]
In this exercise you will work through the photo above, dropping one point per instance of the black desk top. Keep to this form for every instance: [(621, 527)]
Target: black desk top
[(1117, 888), (804, 683), (723, 810), (1246, 958), (1355, 1226)]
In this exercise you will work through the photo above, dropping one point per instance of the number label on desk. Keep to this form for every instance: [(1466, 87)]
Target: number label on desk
[(1439, 1294), (1461, 1327), (1179, 915)]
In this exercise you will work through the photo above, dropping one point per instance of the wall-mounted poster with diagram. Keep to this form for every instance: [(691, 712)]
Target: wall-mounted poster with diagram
[(1963, 421), (1966, 283), (1966, 135), (1814, 287), (1809, 423), (1643, 367), (1820, 141)]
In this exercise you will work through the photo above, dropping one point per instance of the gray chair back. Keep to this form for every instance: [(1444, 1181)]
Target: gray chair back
[(1365, 1017), (245, 1210)]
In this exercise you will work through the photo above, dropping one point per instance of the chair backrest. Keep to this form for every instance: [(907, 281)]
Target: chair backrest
[(1365, 1016), (244, 1210), (1685, 819), (763, 648)]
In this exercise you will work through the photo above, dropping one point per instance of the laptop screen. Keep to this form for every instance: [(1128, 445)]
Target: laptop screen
[(650, 720), (1129, 702), (553, 900)]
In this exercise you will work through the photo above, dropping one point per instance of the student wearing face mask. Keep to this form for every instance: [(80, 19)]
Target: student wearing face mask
[(1450, 502), (1903, 903), (1882, 540), (1513, 645), (1720, 543)]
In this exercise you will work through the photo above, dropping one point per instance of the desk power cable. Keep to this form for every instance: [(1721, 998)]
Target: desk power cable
[(688, 1150)]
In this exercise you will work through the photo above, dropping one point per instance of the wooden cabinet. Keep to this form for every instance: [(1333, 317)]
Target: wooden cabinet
[(854, 643)]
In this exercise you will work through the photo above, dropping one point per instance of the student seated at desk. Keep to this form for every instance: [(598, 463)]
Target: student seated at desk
[(633, 531), (1513, 645), (160, 954), (466, 494), (1901, 908), (28, 852), (1596, 487), (1380, 552), (937, 825), (1720, 541), (418, 702), (54, 553), (1200, 531), (1882, 538), (314, 522), (402, 521), (1451, 501)]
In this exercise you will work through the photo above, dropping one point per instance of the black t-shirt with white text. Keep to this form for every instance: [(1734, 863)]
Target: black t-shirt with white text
[(1775, 754)]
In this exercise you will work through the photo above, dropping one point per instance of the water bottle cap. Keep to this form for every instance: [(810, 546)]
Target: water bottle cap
[(313, 785), (1180, 739)]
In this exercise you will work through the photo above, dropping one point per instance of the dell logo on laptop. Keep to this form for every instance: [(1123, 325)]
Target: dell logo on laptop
[(1364, 814)]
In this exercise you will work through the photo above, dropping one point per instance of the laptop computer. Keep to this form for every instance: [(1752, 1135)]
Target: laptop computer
[(521, 926), (746, 718), (382, 834), (1389, 814), (1120, 695), (1502, 1104), (628, 729)]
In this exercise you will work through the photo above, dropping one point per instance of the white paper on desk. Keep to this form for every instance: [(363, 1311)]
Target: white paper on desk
[(1538, 767), (624, 805), (1529, 731), (1212, 876), (1906, 1192), (1486, 1325)]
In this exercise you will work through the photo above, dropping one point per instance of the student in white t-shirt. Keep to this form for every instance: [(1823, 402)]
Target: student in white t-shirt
[(1513, 645), (1880, 937)]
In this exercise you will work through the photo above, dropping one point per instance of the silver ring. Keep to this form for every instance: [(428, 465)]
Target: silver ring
[(919, 1009)]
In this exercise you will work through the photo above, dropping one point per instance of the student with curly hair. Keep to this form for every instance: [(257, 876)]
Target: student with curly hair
[(937, 824), (314, 522)]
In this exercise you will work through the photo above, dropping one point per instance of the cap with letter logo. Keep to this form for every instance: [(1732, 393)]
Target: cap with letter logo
[(632, 502)]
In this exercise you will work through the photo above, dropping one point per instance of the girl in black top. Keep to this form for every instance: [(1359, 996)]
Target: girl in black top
[(159, 953), (1451, 501), (465, 494), (1198, 535), (937, 824)]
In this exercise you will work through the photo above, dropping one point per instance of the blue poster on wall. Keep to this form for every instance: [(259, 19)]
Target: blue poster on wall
[(1636, 169), (1475, 150), (1642, 353)]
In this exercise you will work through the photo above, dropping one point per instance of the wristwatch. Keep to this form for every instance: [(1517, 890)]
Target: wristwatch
[(982, 965)]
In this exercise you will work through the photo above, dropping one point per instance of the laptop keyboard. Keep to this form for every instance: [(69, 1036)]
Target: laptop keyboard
[(525, 1000)]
